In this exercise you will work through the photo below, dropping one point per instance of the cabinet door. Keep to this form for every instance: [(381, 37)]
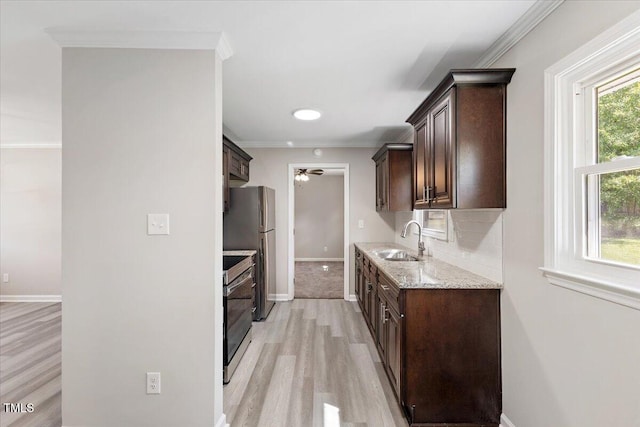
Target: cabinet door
[(373, 312), (366, 303), (244, 170), (393, 334), (225, 179), (441, 175), (385, 181), (382, 183), (381, 335), (234, 164), (379, 202), (238, 166), (419, 166), (359, 279), (357, 269)]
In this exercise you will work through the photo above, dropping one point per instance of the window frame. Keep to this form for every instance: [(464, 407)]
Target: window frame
[(569, 140)]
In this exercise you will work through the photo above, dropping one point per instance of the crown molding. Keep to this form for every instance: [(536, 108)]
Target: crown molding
[(312, 144), (137, 39), (527, 22)]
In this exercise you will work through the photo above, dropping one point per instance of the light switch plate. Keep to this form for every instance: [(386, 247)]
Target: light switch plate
[(361, 223), (157, 224)]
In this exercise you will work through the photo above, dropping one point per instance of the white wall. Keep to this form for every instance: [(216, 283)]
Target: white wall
[(569, 359), (475, 243), (30, 185), (319, 217), (141, 134), (269, 167)]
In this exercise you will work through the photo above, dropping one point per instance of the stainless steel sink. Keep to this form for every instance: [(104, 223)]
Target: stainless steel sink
[(394, 255)]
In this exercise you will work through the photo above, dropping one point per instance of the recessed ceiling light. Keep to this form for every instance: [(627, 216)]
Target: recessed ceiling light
[(290, 143), (306, 114)]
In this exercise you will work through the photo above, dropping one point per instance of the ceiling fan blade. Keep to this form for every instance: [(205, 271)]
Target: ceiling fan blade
[(316, 171)]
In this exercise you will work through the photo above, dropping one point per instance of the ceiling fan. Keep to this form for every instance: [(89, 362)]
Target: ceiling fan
[(303, 174)]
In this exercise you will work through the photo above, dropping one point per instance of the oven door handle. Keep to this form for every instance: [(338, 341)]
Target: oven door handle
[(230, 289)]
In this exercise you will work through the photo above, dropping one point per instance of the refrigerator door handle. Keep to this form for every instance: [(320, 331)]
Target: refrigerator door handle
[(265, 269), (264, 212)]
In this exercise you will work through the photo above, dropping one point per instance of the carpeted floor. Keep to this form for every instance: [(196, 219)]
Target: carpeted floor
[(313, 281)]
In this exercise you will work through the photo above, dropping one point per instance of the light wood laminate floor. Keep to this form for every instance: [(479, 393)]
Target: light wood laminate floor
[(30, 363), (311, 363)]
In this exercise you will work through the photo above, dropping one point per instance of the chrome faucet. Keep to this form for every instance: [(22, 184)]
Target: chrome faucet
[(420, 242)]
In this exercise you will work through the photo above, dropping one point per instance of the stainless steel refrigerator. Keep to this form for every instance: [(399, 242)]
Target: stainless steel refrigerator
[(251, 224)]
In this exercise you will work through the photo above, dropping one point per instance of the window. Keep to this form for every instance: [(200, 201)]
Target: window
[(435, 223), (611, 173), (592, 167)]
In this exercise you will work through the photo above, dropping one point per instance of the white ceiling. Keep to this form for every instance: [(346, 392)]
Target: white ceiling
[(365, 64)]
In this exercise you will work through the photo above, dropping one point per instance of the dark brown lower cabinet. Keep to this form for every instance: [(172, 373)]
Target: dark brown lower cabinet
[(359, 278), (393, 334), (451, 356), (440, 349)]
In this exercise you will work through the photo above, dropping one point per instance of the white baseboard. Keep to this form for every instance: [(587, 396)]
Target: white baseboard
[(279, 297), (506, 422), (222, 422), (352, 297), (320, 259), (30, 298)]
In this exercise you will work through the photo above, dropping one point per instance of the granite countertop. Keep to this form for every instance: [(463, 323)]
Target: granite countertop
[(428, 273), (248, 252)]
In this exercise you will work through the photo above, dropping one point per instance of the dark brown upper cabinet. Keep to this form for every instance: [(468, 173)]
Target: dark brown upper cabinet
[(238, 161), (459, 155), (235, 167), (393, 177)]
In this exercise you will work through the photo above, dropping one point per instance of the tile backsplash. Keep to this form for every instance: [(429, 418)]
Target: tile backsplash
[(474, 243)]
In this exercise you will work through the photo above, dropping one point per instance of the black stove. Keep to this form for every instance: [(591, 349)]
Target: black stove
[(238, 291)]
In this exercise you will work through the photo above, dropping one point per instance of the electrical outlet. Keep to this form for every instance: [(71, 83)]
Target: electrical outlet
[(5, 277), (157, 224), (326, 249), (153, 382), (361, 223)]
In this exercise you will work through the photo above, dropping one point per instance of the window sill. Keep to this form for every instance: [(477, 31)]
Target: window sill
[(595, 287)]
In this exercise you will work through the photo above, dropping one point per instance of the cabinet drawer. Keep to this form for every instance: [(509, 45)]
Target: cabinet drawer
[(390, 291)]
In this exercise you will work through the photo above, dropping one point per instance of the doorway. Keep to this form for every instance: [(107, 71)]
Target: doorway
[(318, 231)]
